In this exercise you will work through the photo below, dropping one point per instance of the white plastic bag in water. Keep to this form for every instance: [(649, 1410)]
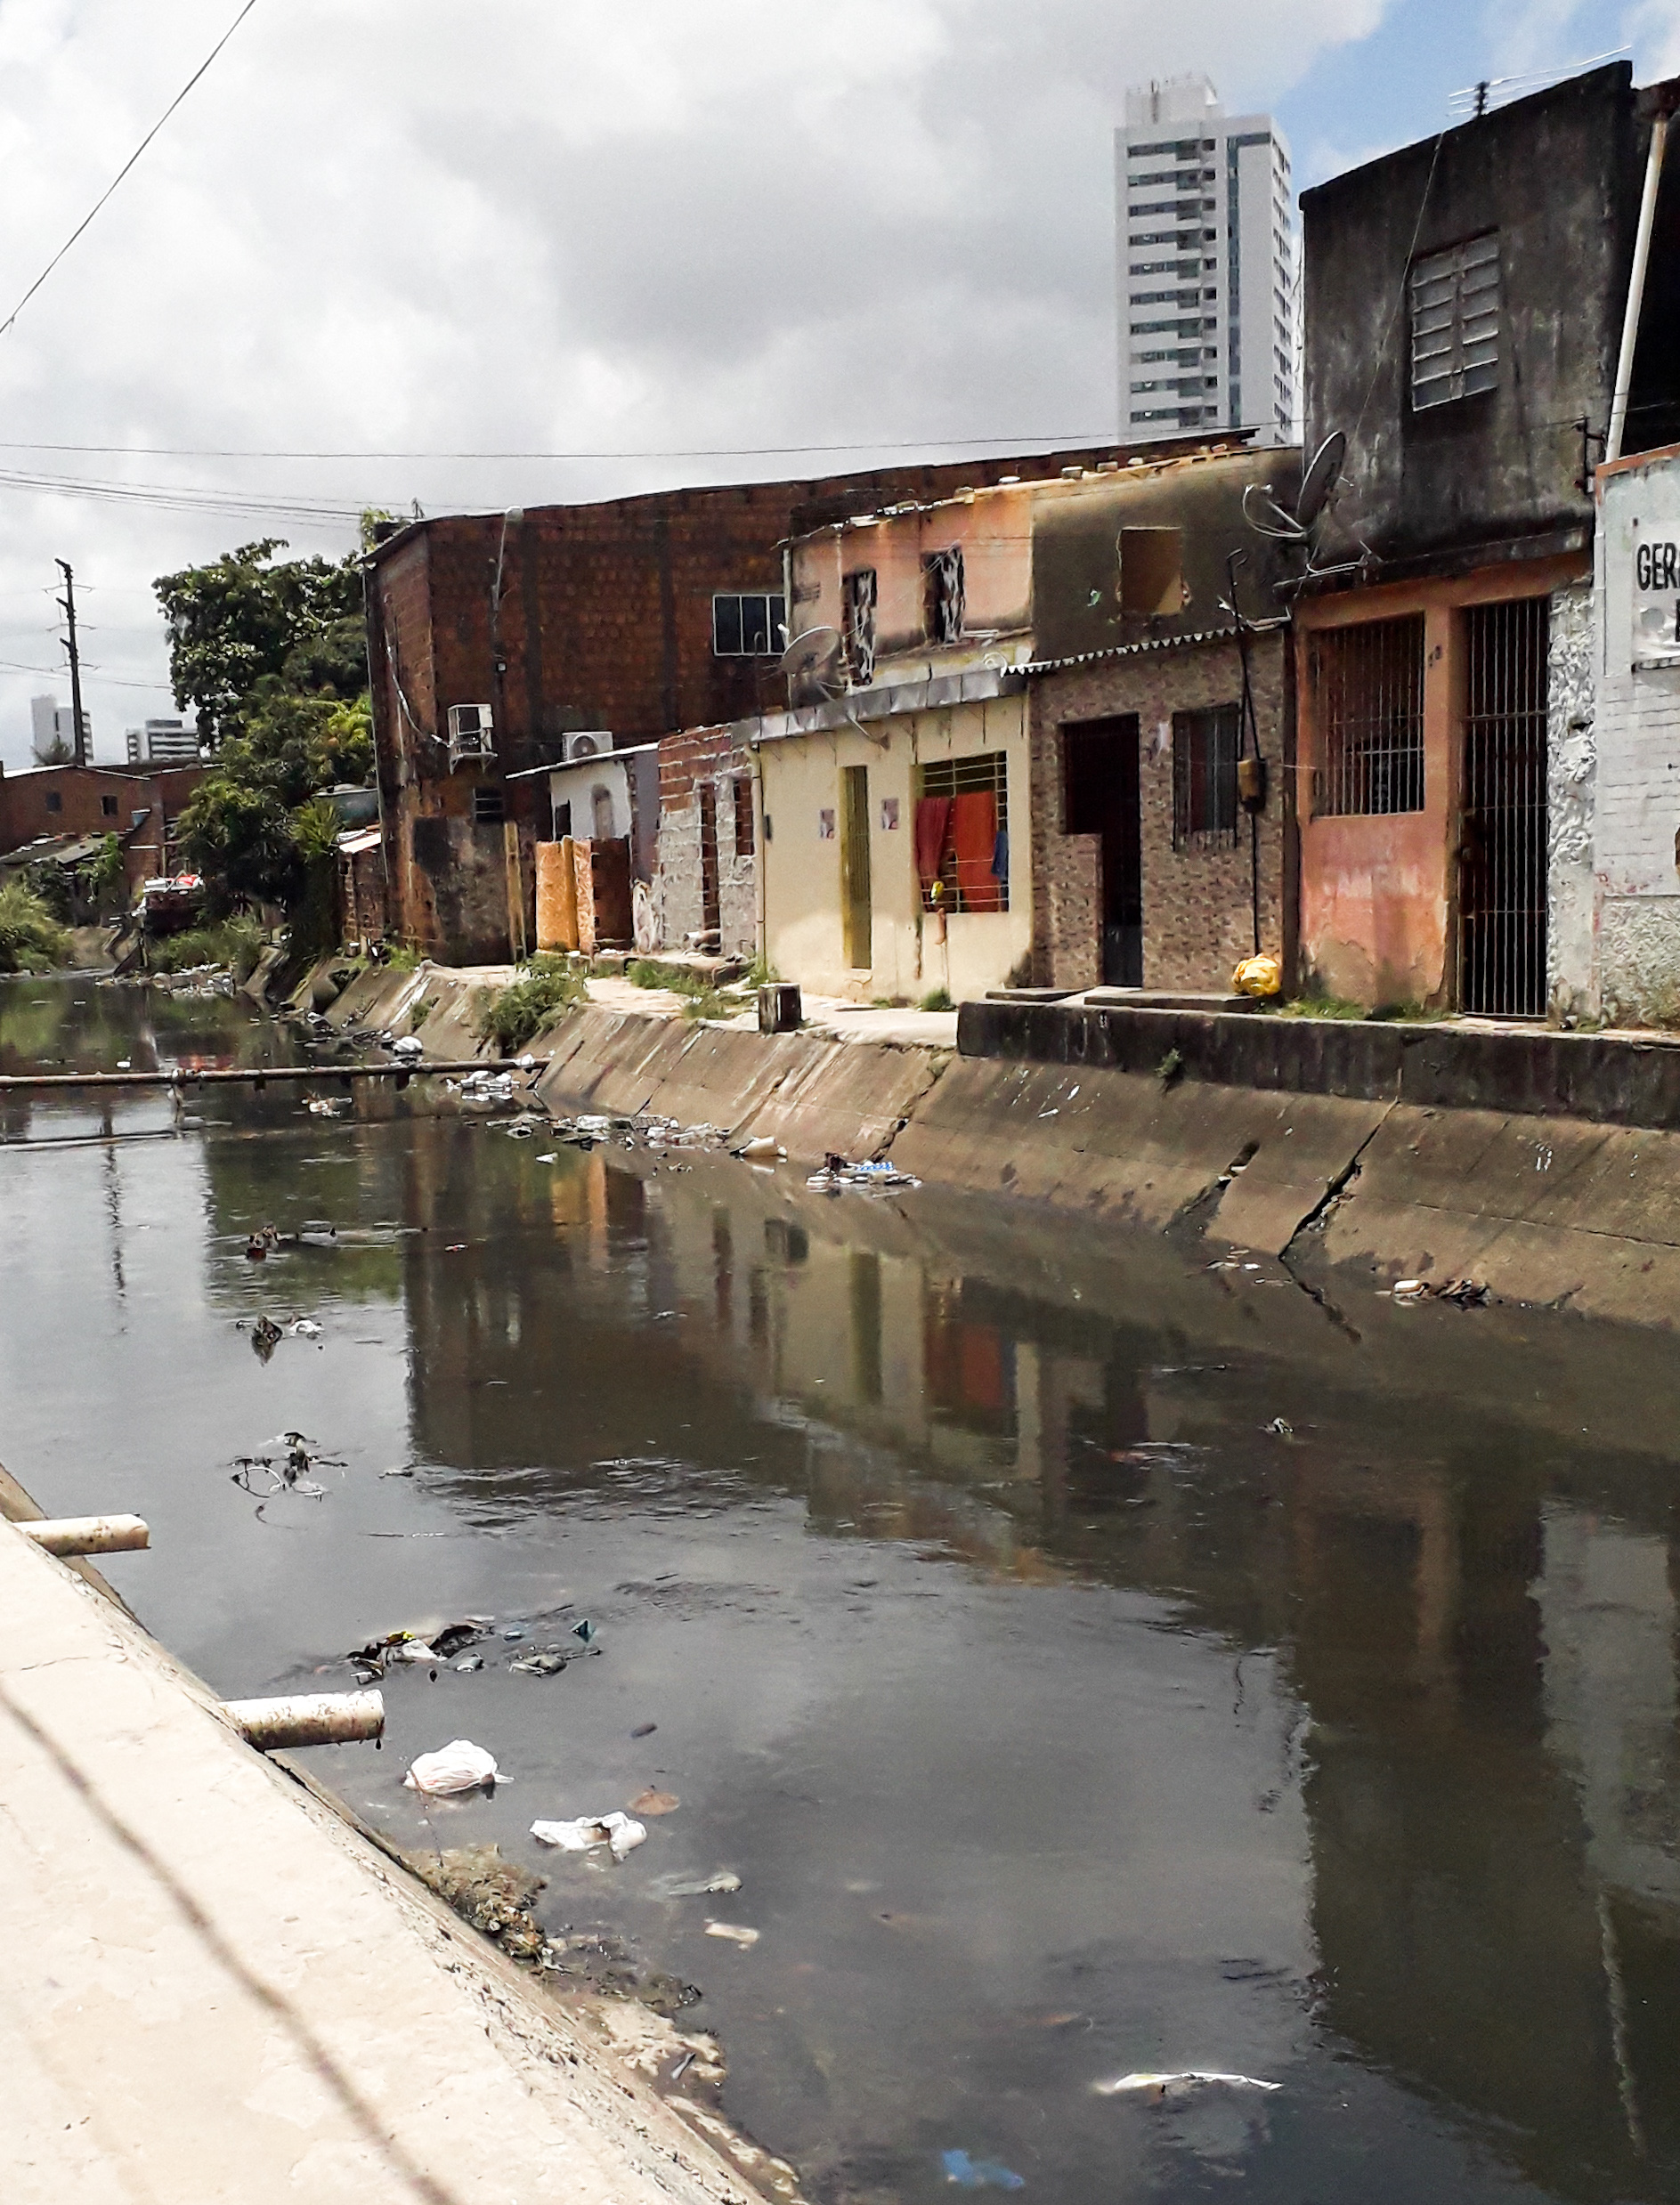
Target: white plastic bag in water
[(460, 1766), (616, 1831)]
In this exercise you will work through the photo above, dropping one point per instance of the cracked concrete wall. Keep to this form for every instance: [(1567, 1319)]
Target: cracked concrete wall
[(1571, 762)]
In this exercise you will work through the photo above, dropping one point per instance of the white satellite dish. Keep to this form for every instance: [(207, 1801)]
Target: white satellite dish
[(1267, 517), (812, 663)]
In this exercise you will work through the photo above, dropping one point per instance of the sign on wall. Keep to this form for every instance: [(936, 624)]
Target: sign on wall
[(1656, 600)]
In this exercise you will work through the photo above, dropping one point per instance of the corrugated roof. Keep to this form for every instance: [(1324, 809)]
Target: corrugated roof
[(1150, 644)]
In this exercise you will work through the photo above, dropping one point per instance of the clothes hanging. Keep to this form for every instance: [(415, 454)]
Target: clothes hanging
[(933, 824), (974, 831)]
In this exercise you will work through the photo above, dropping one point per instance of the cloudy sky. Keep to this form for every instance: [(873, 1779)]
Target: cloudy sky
[(667, 239)]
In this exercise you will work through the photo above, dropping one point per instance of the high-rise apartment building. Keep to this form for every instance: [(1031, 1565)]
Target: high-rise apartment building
[(162, 742), (1206, 259), (53, 731)]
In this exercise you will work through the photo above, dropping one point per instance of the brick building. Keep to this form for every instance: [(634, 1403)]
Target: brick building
[(69, 803), (709, 836), (1147, 870), (1468, 299), (494, 637)]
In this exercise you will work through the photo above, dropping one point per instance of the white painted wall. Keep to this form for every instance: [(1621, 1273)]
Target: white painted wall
[(1637, 802)]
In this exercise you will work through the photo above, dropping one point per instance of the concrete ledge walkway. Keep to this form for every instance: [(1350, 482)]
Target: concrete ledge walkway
[(215, 1989)]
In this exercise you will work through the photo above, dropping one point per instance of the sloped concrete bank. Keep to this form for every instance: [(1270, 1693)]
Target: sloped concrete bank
[(216, 1986), (1357, 1155)]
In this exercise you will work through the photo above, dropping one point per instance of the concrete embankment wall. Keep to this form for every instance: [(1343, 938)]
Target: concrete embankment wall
[(812, 1092), (1357, 1154), (1542, 1163)]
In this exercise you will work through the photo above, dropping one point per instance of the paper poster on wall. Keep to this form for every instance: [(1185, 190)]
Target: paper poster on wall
[(889, 814), (826, 826), (1656, 597)]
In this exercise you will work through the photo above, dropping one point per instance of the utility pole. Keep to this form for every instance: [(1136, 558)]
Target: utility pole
[(68, 601)]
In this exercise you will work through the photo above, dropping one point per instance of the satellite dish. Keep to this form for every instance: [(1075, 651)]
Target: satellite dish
[(1267, 517), (1320, 478), (812, 664)]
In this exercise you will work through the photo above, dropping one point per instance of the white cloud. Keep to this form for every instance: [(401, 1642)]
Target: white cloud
[(421, 224)]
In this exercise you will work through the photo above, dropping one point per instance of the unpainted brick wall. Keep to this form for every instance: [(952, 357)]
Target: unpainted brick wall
[(705, 757), (1197, 908)]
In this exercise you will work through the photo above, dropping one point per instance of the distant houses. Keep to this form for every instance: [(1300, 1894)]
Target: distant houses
[(1396, 709)]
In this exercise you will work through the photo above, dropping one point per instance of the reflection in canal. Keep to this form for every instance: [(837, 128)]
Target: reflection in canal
[(1087, 1662)]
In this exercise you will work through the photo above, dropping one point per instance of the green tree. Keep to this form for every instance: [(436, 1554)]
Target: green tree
[(247, 618), (258, 821)]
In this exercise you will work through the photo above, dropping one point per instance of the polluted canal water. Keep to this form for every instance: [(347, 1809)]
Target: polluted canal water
[(1041, 1666)]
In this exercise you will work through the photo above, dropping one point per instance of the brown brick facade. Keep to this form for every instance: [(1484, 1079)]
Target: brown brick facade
[(1198, 909), (81, 800)]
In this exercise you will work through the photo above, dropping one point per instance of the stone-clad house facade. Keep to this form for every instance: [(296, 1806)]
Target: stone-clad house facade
[(1197, 884)]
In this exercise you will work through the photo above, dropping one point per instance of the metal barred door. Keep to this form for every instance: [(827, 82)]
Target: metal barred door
[(1502, 839)]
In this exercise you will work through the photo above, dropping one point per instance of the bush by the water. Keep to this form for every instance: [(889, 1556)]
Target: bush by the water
[(237, 943), (31, 940), (546, 986)]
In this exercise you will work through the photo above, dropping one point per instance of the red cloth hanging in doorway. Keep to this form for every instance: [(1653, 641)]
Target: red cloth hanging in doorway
[(975, 834), (933, 821)]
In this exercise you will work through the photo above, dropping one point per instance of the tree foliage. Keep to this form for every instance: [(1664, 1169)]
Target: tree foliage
[(248, 618), (258, 820)]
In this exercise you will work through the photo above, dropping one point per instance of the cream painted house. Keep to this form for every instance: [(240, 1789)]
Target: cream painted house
[(896, 850), (852, 906)]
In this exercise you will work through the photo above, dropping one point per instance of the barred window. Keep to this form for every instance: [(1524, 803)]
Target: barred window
[(1454, 322), (1204, 806), (1367, 694), (857, 597), (962, 837), (942, 592)]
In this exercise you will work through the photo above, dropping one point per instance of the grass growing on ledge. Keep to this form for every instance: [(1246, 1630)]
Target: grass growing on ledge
[(236, 942), (1339, 1007), (514, 1015), (938, 999)]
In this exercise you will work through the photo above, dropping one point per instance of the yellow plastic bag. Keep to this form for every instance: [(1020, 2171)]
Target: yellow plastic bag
[(1258, 975)]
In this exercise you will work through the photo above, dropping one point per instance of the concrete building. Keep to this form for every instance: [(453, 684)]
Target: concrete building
[(161, 743), (52, 732), (952, 800), (493, 637), (1615, 843), (1205, 260), (1148, 869), (1466, 305)]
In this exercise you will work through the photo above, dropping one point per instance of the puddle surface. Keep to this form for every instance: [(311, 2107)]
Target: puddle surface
[(1060, 1719)]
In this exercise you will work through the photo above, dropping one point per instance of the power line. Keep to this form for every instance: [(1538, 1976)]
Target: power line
[(1025, 445), (126, 165)]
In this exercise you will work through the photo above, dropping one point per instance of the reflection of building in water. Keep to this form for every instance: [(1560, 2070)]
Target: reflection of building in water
[(1488, 1761)]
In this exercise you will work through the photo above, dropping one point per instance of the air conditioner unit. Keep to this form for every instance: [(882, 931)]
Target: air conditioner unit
[(588, 742), (471, 730)]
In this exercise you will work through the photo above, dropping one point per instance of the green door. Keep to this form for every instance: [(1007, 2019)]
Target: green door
[(856, 913)]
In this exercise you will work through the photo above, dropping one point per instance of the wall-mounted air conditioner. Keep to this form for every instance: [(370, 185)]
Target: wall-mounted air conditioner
[(471, 731), (587, 742)]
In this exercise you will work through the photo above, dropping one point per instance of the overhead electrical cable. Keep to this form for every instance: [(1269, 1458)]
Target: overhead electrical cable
[(126, 165)]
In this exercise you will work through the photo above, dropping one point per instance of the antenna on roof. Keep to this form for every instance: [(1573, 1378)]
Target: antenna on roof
[(1475, 100)]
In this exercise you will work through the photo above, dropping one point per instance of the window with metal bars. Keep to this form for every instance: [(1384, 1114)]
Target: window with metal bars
[(942, 594), (857, 613), (1368, 698), (1204, 808), (1454, 299), (962, 837)]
